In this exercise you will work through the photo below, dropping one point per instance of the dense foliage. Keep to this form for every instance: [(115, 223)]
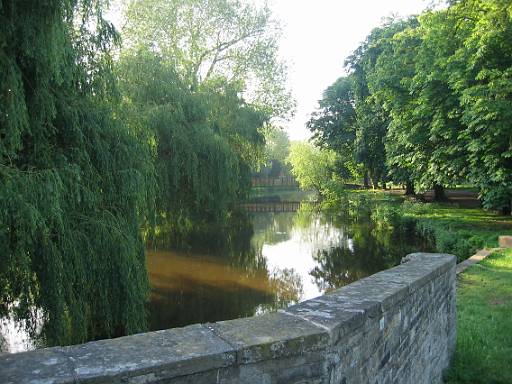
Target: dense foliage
[(72, 177), (197, 140), (277, 149), (194, 81), (106, 146), (315, 168), (428, 101), (213, 42)]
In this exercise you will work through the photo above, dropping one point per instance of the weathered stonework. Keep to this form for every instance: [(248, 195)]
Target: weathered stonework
[(397, 326), (505, 241)]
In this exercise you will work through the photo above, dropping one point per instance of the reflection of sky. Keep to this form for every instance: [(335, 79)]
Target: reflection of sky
[(286, 243), (14, 336), (297, 252)]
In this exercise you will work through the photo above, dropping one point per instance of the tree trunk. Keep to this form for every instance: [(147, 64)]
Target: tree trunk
[(439, 194), (375, 182), (507, 210), (366, 182), (409, 188)]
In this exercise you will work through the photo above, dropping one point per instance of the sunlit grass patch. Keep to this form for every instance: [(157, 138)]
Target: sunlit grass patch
[(461, 231), (484, 327)]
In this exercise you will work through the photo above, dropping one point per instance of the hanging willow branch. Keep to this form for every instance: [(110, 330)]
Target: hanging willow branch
[(72, 178)]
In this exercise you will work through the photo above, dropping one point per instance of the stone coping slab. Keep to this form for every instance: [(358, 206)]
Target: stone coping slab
[(309, 327), (270, 336), (505, 241)]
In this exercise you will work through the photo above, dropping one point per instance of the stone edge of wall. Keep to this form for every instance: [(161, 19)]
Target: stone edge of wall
[(306, 328)]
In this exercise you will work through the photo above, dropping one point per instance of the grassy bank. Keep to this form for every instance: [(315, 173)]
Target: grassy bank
[(450, 228), (456, 230), (484, 328)]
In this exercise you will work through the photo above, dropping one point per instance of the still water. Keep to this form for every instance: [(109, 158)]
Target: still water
[(285, 258), (268, 261)]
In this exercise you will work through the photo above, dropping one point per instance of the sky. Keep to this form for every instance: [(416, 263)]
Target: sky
[(317, 37)]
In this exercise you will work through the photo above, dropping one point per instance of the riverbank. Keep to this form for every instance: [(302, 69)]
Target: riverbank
[(450, 227), (484, 329), (456, 226), (459, 231)]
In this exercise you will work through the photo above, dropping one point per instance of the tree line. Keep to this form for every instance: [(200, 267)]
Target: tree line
[(427, 103), (109, 140)]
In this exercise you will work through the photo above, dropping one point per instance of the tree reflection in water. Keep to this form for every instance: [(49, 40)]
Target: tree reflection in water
[(265, 261)]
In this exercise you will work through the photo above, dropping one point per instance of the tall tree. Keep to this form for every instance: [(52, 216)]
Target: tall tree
[(334, 124), (480, 74), (208, 40), (73, 180), (391, 88), (201, 142), (372, 118), (449, 102), (205, 79)]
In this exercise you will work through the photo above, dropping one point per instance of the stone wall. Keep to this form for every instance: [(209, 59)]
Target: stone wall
[(397, 326)]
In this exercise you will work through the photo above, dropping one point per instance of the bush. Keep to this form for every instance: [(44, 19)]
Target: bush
[(386, 216)]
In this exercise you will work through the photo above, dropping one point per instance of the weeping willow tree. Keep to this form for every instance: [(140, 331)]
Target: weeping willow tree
[(203, 77), (72, 178), (202, 143)]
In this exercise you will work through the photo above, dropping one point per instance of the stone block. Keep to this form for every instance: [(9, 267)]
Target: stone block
[(152, 356), (505, 241), (48, 366), (271, 336), (336, 313)]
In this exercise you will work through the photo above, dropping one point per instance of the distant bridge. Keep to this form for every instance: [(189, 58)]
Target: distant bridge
[(287, 181), (281, 206)]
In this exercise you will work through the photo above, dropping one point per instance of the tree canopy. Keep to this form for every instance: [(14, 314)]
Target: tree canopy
[(194, 81), (212, 42), (312, 167), (427, 101), (73, 179)]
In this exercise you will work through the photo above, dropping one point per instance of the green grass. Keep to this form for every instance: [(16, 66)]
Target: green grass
[(456, 230), (449, 227), (484, 326)]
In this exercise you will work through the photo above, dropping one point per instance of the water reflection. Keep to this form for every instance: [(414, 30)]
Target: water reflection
[(280, 259), (18, 335), (261, 262), (191, 288)]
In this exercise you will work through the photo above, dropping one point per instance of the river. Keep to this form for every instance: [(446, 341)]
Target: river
[(272, 260), (288, 257)]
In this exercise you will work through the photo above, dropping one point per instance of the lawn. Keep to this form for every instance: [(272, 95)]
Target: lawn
[(450, 227), (484, 325), (457, 230)]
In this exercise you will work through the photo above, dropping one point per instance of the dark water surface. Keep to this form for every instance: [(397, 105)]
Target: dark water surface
[(286, 258), (272, 260)]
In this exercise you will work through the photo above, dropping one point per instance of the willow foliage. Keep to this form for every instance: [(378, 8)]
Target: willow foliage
[(72, 177), (203, 143)]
